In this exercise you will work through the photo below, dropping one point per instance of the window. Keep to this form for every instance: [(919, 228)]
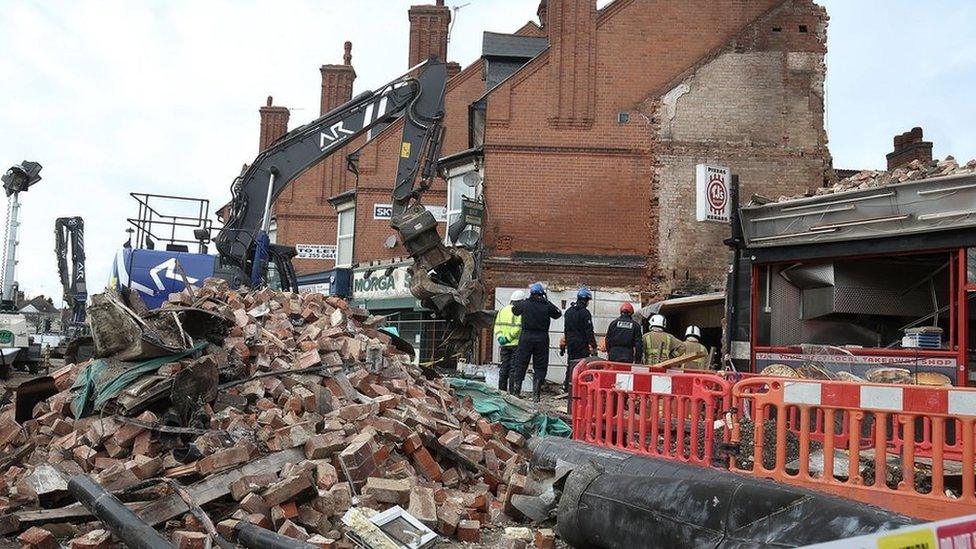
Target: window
[(459, 186), (344, 239)]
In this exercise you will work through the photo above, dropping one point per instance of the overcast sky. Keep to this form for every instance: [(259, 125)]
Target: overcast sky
[(123, 96)]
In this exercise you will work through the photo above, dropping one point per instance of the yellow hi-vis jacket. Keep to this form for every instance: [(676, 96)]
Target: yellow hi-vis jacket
[(692, 346), (509, 325), (659, 346)]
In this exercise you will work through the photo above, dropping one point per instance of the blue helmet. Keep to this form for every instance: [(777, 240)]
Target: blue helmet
[(584, 293), (537, 289)]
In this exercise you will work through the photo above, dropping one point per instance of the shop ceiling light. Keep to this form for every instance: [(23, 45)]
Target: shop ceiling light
[(843, 201), (792, 235), (941, 215), (846, 208), (924, 192), (860, 222)]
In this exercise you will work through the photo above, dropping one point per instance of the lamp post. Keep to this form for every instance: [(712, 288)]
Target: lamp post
[(18, 178)]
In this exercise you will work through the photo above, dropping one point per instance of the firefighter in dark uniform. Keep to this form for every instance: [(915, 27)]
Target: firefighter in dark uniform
[(580, 339), (537, 312), (624, 337)]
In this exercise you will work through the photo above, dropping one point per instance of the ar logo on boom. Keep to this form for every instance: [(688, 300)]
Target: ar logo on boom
[(718, 194), (326, 140)]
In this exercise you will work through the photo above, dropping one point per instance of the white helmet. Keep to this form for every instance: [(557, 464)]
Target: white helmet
[(658, 321), (517, 295), (693, 331)]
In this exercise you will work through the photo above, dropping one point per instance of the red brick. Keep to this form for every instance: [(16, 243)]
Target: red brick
[(96, 539), (469, 531), (37, 538), (184, 539), (426, 464), (545, 538)]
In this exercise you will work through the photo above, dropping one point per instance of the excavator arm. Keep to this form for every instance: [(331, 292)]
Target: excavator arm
[(69, 232), (443, 278)]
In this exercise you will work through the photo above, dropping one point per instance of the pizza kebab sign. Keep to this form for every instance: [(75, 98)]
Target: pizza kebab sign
[(712, 193)]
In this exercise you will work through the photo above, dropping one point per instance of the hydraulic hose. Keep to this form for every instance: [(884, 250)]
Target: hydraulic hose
[(613, 499), (118, 518)]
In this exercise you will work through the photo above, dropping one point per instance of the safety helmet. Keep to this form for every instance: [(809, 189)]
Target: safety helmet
[(517, 295), (584, 293), (537, 289), (658, 321), (626, 308), (693, 331)]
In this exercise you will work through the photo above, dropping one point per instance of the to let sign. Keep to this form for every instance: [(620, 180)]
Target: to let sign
[(712, 192), (315, 251)]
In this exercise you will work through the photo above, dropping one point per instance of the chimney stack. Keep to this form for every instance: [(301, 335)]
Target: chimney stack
[(274, 124), (453, 68), (571, 26), (908, 147), (337, 81), (428, 32), (543, 13)]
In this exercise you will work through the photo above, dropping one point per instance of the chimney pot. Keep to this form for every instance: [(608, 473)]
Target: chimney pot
[(337, 81), (269, 101)]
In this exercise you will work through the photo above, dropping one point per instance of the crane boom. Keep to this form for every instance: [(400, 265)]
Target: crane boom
[(418, 98), (69, 232)]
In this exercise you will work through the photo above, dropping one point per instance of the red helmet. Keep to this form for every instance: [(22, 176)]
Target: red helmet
[(627, 308)]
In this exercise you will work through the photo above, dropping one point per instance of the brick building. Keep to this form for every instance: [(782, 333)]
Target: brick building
[(584, 130)]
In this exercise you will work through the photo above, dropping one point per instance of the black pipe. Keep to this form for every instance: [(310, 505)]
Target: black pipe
[(253, 536), (732, 289), (125, 524), (635, 501)]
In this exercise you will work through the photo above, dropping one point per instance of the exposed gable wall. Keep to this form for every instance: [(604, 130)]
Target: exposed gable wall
[(756, 106)]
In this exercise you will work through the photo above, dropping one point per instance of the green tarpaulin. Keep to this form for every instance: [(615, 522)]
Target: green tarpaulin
[(99, 381), (510, 412)]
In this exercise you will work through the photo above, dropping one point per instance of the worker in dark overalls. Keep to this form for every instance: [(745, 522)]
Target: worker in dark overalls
[(537, 313), (578, 329), (624, 337)]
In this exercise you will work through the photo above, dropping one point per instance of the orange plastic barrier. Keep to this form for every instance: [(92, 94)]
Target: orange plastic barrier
[(667, 415), (902, 447)]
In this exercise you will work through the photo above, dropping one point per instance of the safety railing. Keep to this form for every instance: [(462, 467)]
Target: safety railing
[(902, 447), (667, 415)]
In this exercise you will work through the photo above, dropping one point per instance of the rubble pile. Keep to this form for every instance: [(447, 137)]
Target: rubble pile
[(914, 170), (303, 414)]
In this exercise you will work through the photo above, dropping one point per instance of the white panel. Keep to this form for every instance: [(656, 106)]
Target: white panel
[(640, 369), (795, 392), (962, 403), (661, 385), (882, 398), (600, 325), (625, 382)]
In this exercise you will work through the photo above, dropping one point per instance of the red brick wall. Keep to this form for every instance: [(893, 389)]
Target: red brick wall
[(587, 187)]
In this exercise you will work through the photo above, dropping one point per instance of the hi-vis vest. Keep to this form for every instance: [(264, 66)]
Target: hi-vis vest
[(658, 346), (508, 324)]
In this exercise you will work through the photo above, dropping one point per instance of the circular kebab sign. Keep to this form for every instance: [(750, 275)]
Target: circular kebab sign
[(718, 193)]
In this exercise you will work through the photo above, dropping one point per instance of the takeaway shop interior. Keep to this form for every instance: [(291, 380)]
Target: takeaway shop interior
[(906, 311)]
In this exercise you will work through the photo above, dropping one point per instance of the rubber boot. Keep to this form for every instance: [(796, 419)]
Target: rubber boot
[(536, 391)]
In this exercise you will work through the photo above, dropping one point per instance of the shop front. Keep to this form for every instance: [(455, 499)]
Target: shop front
[(875, 283), (384, 289)]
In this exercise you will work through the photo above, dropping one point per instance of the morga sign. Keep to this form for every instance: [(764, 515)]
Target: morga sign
[(380, 285)]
